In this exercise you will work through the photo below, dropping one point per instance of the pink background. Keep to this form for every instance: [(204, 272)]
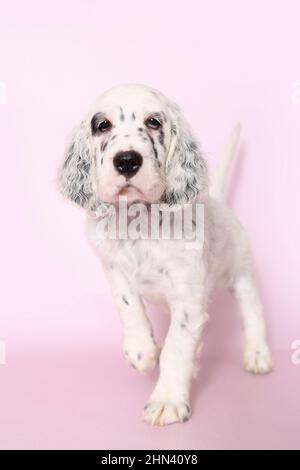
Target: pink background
[(65, 384)]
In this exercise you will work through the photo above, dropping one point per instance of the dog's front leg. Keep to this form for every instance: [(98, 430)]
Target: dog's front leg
[(169, 401), (139, 347)]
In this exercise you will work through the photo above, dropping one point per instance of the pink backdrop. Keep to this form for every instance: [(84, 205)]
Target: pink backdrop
[(64, 383)]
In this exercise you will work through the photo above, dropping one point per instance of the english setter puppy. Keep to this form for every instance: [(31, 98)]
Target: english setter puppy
[(136, 143)]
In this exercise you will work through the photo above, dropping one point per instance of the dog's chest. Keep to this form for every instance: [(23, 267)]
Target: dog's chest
[(147, 264), (153, 267), (157, 269)]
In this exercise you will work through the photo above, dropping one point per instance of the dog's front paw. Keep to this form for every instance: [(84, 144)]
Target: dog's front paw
[(258, 359), (141, 352), (160, 413)]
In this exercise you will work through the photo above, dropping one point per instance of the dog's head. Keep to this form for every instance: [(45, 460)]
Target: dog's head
[(133, 143)]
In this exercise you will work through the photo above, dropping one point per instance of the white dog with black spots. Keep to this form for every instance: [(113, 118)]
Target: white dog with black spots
[(135, 144)]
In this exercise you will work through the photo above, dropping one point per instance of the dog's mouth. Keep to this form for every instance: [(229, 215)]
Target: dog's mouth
[(131, 192), (134, 193)]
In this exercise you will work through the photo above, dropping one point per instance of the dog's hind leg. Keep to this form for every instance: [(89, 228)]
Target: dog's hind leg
[(257, 356)]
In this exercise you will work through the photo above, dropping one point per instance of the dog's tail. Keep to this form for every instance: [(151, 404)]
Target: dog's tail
[(220, 174)]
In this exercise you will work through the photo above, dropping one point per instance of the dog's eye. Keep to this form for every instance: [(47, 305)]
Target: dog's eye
[(99, 123), (153, 123), (104, 126)]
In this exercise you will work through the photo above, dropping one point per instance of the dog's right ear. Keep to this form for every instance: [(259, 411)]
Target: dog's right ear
[(76, 178)]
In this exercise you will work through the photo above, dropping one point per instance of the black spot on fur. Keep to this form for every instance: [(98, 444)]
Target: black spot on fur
[(153, 145), (125, 300), (103, 146), (122, 116), (192, 145), (164, 271), (133, 116), (161, 139)]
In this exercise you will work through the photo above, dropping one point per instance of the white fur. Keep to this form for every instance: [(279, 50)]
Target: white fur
[(164, 270)]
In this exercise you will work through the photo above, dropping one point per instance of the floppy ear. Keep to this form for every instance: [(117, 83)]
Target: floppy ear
[(77, 175), (186, 170)]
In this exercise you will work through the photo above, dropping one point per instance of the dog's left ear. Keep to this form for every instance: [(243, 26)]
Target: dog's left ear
[(186, 170)]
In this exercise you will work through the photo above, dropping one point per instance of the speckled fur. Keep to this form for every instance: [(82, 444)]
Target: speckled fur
[(163, 271)]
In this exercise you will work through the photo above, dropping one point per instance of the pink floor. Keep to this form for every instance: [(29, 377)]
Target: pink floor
[(91, 399)]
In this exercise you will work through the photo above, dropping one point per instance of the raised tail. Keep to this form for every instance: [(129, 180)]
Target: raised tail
[(220, 174)]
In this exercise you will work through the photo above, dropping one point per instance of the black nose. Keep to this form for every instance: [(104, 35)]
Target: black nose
[(128, 163)]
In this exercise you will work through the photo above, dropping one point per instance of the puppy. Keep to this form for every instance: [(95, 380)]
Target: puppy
[(135, 145)]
